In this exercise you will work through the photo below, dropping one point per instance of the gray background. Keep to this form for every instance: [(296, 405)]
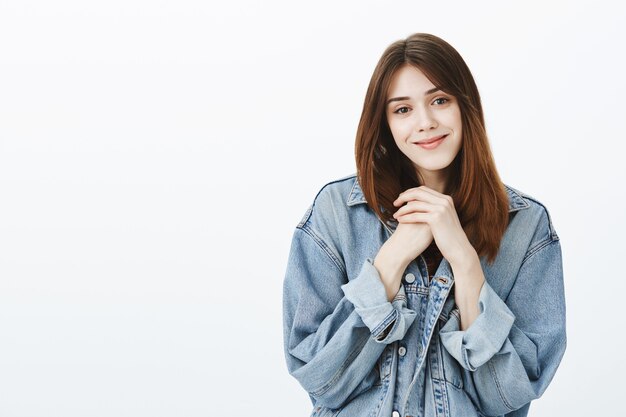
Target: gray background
[(155, 157)]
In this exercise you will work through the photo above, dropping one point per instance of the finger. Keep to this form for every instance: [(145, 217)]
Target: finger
[(398, 201), (421, 187), (413, 206), (414, 218), (445, 198), (431, 191), (419, 194)]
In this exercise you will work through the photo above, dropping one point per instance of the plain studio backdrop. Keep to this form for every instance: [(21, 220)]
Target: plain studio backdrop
[(156, 156)]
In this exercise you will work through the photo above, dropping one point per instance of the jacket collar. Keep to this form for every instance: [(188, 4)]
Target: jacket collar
[(516, 201)]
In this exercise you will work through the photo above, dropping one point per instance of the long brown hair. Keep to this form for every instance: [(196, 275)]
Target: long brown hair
[(383, 171)]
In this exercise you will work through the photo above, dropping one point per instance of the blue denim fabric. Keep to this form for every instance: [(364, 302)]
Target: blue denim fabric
[(336, 312)]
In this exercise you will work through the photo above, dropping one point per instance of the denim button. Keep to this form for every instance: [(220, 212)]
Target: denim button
[(401, 351), (395, 414), (409, 278)]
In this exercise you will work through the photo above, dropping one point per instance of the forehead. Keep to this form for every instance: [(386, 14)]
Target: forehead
[(409, 80)]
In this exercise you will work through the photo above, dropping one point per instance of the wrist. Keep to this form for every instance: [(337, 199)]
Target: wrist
[(390, 270), (468, 276), (390, 259), (466, 262)]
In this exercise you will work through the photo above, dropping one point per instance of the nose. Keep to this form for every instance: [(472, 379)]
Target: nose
[(425, 120)]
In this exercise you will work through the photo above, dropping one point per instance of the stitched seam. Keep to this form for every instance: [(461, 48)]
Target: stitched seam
[(536, 249), (324, 247), (382, 326), (551, 231), (444, 387), (381, 399), (414, 289), (468, 365), (492, 369), (306, 216), (444, 318), (455, 312), (346, 178), (520, 195), (350, 200)]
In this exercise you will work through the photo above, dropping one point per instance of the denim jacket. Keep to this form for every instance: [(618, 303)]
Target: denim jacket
[(335, 313)]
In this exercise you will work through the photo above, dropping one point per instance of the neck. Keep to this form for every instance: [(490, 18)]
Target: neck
[(435, 180)]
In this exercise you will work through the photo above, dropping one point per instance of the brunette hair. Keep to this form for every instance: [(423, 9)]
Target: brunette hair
[(383, 171)]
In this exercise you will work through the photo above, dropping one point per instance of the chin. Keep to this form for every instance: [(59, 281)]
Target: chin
[(430, 166)]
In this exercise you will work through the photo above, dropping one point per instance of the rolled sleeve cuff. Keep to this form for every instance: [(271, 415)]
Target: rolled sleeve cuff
[(367, 293), (485, 336)]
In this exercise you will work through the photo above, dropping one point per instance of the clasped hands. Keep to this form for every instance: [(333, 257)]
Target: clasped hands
[(425, 206)]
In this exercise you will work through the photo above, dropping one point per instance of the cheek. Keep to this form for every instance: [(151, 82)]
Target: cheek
[(459, 125), (456, 120), (399, 130), (393, 128)]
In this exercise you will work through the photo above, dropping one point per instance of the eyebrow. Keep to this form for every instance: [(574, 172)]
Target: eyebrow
[(432, 90)]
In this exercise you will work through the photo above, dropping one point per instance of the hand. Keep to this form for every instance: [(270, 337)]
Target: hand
[(423, 205), (405, 244), (409, 240)]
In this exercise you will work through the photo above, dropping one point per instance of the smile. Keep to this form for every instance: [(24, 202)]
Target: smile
[(433, 143)]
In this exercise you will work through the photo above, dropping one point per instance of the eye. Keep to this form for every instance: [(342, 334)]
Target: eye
[(398, 111), (441, 98)]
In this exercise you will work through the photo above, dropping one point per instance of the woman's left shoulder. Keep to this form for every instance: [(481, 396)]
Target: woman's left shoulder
[(533, 214)]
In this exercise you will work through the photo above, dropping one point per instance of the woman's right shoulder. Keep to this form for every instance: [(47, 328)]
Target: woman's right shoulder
[(331, 201)]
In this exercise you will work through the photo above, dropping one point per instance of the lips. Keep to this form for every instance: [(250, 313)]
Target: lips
[(430, 140)]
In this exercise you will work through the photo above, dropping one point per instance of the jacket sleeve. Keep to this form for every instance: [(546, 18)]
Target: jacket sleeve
[(511, 352), (335, 329)]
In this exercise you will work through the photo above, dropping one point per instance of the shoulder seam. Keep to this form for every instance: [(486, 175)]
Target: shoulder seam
[(519, 194), (552, 235), (537, 248), (307, 214), (323, 246)]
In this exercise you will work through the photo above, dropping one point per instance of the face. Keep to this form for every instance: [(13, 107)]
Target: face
[(416, 112)]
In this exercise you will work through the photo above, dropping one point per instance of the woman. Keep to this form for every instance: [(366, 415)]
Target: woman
[(423, 285)]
